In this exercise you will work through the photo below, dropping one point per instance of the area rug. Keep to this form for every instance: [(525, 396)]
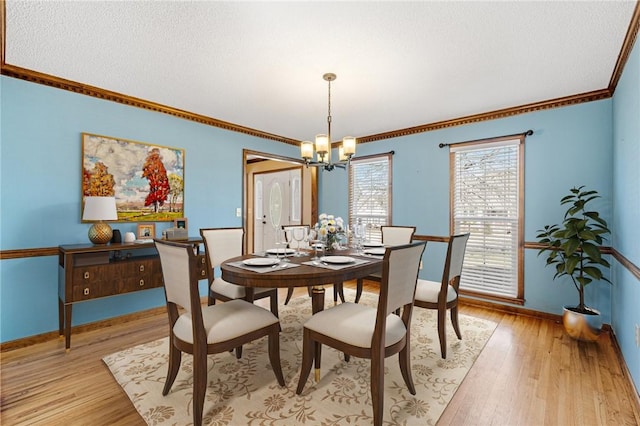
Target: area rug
[(245, 391)]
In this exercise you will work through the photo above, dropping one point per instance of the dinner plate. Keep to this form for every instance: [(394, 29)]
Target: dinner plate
[(373, 244), (337, 259), (261, 261), (281, 251), (375, 250)]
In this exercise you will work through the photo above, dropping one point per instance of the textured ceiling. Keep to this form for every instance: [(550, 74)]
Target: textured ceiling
[(260, 64)]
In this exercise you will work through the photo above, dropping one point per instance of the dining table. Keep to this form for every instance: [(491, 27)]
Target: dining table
[(263, 270)]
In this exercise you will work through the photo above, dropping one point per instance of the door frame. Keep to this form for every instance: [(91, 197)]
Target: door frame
[(309, 183)]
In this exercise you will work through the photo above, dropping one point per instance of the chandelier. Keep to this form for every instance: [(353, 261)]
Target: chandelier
[(323, 143)]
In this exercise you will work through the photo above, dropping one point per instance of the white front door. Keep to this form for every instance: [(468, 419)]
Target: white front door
[(276, 202)]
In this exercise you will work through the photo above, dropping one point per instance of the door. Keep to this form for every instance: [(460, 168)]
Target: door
[(277, 202)]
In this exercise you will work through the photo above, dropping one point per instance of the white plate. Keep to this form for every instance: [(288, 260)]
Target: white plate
[(261, 261), (373, 244), (376, 251), (281, 251), (337, 259)]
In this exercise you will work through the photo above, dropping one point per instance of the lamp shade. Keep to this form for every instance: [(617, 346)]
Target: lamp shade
[(306, 150), (322, 144), (99, 208), (349, 146)]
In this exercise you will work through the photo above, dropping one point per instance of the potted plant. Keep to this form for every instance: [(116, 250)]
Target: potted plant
[(573, 247)]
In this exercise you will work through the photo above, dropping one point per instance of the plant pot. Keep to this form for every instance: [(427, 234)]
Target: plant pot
[(583, 327)]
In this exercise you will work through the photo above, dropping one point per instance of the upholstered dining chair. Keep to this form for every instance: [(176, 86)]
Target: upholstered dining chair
[(367, 332), (391, 236), (201, 331), (221, 244), (443, 295)]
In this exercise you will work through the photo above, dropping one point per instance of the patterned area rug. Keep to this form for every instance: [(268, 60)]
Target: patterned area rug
[(245, 391)]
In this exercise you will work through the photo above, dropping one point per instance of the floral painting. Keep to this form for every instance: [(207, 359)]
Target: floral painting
[(146, 180)]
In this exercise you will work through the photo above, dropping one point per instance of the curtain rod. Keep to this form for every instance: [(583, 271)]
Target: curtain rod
[(527, 133)]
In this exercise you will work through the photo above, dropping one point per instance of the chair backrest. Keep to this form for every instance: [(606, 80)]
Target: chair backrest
[(396, 235), (399, 276), (289, 236), (454, 260), (221, 244), (177, 261)]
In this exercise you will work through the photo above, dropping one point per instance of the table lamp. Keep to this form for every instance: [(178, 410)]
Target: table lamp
[(100, 209)]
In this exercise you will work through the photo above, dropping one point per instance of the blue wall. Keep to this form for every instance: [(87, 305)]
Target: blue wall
[(564, 140), (40, 187), (626, 211)]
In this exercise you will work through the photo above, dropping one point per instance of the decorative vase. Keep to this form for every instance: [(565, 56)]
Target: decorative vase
[(330, 243), (583, 327)]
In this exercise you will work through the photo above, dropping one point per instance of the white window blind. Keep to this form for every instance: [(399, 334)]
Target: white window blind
[(369, 196), (486, 204)]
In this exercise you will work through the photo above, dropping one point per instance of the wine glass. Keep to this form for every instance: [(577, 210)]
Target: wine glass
[(282, 239), (359, 234), (313, 234), (299, 234)]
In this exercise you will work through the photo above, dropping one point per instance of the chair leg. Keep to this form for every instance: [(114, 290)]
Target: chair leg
[(274, 355), (175, 357), (377, 386), (441, 332), (211, 300), (199, 384), (239, 352), (359, 283), (307, 360), (405, 368), (454, 321), (289, 294)]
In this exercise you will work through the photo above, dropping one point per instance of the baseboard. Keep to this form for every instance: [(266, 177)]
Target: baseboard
[(626, 373), (45, 337)]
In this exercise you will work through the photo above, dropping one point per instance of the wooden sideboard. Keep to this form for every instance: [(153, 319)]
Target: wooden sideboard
[(88, 271)]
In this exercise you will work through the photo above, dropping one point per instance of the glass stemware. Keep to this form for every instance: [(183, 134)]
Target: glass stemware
[(298, 234), (282, 240), (359, 235), (313, 234)]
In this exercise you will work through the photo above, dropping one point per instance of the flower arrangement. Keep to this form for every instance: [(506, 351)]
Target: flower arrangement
[(330, 228)]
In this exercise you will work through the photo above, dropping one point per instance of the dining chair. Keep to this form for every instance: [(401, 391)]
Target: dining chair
[(443, 295), (338, 289), (367, 332), (391, 236), (221, 244), (201, 331)]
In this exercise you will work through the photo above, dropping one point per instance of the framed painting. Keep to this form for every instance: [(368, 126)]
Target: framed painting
[(146, 231), (147, 180)]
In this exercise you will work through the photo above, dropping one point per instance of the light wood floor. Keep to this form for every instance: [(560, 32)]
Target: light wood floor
[(530, 373)]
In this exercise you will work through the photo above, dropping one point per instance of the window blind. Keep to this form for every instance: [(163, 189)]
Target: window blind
[(486, 204), (369, 197)]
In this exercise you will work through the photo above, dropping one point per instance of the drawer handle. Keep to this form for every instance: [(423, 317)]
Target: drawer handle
[(141, 268), (203, 273), (86, 291), (203, 260), (86, 276), (141, 283)]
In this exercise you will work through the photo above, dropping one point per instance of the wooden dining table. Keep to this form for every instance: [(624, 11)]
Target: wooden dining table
[(305, 275)]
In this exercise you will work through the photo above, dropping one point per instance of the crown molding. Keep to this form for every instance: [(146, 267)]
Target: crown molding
[(96, 92)]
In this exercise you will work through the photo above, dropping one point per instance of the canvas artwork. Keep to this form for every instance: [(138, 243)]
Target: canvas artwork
[(146, 180)]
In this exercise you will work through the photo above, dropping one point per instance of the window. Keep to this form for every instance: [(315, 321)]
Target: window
[(369, 195), (487, 201)]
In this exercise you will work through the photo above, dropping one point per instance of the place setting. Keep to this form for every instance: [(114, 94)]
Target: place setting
[(263, 264), (335, 262)]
